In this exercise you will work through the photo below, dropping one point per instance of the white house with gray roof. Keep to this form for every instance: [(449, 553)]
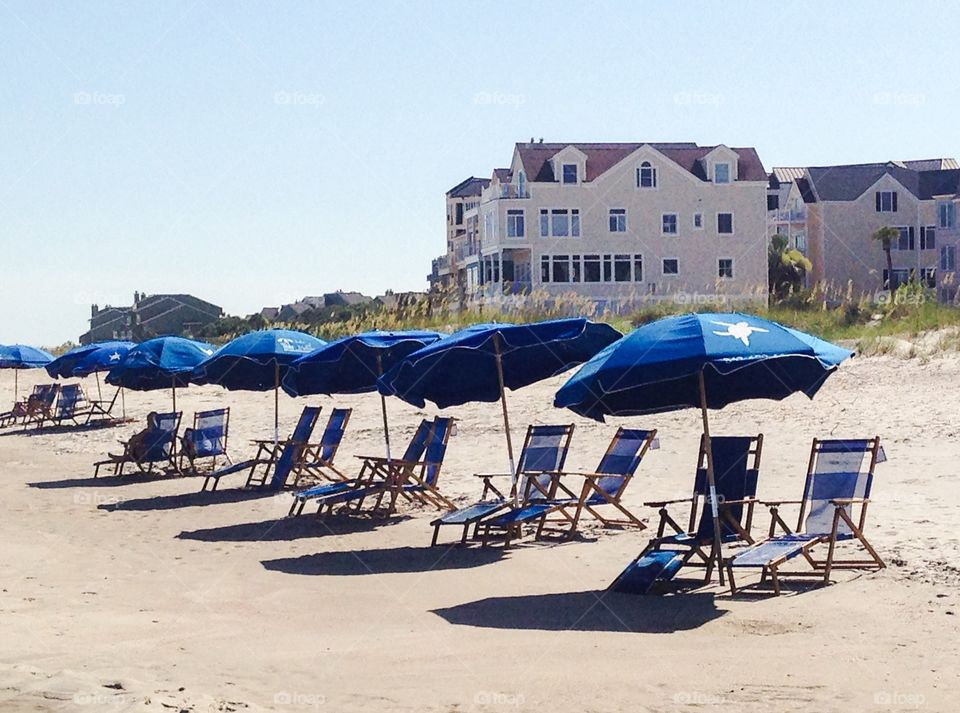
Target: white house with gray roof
[(616, 223)]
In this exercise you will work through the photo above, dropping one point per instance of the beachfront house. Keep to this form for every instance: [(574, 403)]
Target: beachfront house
[(616, 223), (150, 316)]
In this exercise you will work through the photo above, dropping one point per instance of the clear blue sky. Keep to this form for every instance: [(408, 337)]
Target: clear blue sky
[(253, 153)]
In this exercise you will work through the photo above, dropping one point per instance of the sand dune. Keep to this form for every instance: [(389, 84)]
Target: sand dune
[(138, 594)]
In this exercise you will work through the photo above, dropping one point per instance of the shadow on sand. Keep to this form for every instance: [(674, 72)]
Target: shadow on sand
[(395, 560), (104, 481), (69, 428), (188, 500), (599, 610), (286, 528)]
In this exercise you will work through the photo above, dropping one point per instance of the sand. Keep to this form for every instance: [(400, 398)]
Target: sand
[(140, 595)]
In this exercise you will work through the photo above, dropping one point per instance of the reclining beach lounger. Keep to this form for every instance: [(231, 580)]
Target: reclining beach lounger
[(19, 409), (543, 454), (318, 458), (279, 459), (839, 478), (156, 446), (736, 463), (414, 477), (71, 405), (548, 494), (206, 439), (39, 407)]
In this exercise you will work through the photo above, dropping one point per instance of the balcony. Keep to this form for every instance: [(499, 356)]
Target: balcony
[(464, 250), (441, 265), (508, 190), (789, 216)]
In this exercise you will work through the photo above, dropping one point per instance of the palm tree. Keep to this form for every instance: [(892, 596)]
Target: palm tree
[(886, 235), (786, 266)]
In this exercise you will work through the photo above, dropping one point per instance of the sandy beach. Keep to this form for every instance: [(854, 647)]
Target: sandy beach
[(138, 594)]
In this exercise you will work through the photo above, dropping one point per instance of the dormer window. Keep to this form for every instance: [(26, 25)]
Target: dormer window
[(721, 173), (646, 176), (521, 185), (570, 174)]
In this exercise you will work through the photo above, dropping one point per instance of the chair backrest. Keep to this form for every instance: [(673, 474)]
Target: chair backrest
[(308, 421), (544, 451), (418, 444), (436, 449), (292, 453), (44, 395), (71, 398), (333, 433), (736, 467), (622, 458), (209, 433), (837, 469), (158, 444)]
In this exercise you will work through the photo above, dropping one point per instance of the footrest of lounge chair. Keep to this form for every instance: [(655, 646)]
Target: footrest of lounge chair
[(532, 511), (324, 490), (640, 575), (471, 513), (781, 548)]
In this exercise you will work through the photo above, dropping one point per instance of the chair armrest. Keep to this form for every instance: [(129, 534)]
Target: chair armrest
[(776, 503), (744, 501), (664, 503), (839, 502), (586, 475), (493, 475)]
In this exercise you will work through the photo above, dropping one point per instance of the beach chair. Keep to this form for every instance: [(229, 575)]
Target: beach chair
[(39, 406), (318, 459), (71, 405), (736, 464), (413, 477), (543, 454), (601, 490), (158, 445), (19, 409), (206, 439), (278, 460), (833, 510)]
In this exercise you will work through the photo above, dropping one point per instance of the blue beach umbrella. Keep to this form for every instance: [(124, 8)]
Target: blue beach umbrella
[(478, 363), (352, 365), (20, 356), (257, 361), (159, 363), (700, 361), (90, 359)]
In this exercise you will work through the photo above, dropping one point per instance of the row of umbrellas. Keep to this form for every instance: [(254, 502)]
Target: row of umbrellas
[(697, 360)]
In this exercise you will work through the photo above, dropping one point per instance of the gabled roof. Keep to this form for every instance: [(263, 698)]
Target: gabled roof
[(535, 158), (806, 192), (468, 187), (932, 164), (939, 183), (787, 174), (847, 183), (502, 174)]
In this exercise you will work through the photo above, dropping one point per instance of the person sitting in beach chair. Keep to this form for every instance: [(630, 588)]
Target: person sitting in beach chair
[(318, 458), (550, 493), (277, 459), (736, 464), (39, 405), (414, 476), (19, 409), (838, 483), (144, 449), (205, 440), (542, 457)]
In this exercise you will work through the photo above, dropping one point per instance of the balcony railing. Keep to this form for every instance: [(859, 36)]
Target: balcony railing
[(508, 190), (792, 216)]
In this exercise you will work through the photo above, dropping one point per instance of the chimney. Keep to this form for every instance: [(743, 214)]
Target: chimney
[(541, 139), (93, 310), (531, 141), (136, 298)]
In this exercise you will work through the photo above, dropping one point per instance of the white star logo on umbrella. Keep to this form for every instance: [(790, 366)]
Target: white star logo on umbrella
[(115, 356), (738, 330)]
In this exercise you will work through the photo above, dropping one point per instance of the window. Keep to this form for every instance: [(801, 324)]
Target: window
[(638, 268), (621, 268), (698, 221), (725, 223), (886, 201), (561, 268), (906, 240), (459, 213), (725, 268), (773, 201), (947, 214), (668, 224), (671, 266), (800, 240), (490, 269), (646, 176), (544, 268), (515, 223), (901, 276), (569, 173), (608, 268), (948, 258), (591, 268), (928, 276), (560, 223), (521, 185), (618, 220), (721, 173), (489, 227), (928, 237)]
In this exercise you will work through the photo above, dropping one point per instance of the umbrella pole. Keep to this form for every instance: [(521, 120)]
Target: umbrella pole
[(16, 385), (383, 409), (99, 392), (276, 404), (711, 479), (506, 421), (173, 390), (123, 403)]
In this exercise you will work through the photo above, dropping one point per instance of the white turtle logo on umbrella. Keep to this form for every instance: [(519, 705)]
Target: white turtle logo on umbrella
[(738, 330)]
